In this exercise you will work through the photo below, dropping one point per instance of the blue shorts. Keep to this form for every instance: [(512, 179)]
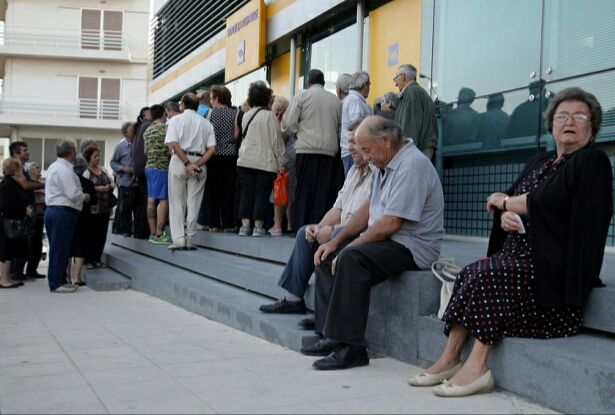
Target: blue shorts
[(157, 184)]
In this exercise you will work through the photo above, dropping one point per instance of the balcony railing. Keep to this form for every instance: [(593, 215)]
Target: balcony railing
[(66, 112), (103, 40)]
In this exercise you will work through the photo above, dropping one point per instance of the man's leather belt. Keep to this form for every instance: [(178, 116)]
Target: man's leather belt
[(192, 153)]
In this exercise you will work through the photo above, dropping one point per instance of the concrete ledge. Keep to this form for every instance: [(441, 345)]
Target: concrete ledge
[(105, 279), (221, 302), (600, 309), (575, 374)]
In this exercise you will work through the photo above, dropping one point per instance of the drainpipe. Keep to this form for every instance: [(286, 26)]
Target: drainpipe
[(360, 18), (293, 64)]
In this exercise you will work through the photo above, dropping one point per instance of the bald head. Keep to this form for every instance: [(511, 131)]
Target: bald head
[(190, 101), (380, 139)]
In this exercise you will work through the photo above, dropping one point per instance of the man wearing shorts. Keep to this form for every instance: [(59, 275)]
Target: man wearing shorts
[(156, 172)]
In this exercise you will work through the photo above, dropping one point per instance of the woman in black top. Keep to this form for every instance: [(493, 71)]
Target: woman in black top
[(13, 205), (222, 167), (545, 251)]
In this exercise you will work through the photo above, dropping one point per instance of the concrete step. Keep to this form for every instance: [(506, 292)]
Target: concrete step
[(599, 313), (215, 300), (394, 308), (251, 274), (574, 375), (105, 279)]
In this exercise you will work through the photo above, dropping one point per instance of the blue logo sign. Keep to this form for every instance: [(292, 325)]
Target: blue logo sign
[(393, 56)]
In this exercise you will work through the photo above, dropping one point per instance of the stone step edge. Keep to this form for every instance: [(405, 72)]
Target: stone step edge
[(214, 300)]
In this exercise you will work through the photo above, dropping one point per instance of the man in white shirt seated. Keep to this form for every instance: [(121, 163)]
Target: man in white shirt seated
[(192, 141), (64, 199), (300, 266)]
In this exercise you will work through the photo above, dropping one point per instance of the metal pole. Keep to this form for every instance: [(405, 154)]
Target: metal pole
[(360, 18), (293, 66)]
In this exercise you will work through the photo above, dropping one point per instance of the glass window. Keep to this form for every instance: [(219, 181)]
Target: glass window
[(49, 148), (579, 37), (485, 45), (239, 87), (35, 145), (335, 55)]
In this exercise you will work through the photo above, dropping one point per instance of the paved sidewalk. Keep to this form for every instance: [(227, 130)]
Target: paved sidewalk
[(127, 352)]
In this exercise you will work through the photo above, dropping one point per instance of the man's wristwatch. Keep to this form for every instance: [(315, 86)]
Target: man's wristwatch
[(504, 203), (186, 162)]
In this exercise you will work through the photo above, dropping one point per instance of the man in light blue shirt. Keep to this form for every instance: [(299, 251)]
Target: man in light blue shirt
[(354, 107), (399, 229), (64, 199)]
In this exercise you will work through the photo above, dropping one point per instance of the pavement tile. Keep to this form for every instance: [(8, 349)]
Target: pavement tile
[(250, 399), (139, 391), (206, 385), (169, 405), (47, 400), (209, 368), (124, 375)]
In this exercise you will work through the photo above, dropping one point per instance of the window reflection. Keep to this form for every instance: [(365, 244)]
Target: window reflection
[(487, 45), (335, 55)]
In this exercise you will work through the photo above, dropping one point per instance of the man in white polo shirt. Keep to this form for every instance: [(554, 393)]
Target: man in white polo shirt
[(192, 141)]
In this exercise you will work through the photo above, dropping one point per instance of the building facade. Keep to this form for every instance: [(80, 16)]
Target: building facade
[(490, 66), (71, 69)]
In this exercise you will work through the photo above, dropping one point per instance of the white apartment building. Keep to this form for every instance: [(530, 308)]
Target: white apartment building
[(71, 69)]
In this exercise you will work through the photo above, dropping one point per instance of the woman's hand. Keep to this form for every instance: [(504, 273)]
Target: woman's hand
[(29, 211), (510, 222), (496, 201), (86, 197)]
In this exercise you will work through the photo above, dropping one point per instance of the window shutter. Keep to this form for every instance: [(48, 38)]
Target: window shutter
[(112, 27), (110, 98), (88, 97), (90, 29)]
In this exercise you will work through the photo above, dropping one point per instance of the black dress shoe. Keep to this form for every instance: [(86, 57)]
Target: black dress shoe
[(284, 307), (343, 357), (36, 275), (322, 348), (21, 277), (307, 323)]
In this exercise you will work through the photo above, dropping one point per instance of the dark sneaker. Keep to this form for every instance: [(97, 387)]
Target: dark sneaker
[(284, 307)]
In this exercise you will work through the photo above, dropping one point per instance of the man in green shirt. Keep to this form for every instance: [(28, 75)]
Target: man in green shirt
[(416, 114), (156, 171)]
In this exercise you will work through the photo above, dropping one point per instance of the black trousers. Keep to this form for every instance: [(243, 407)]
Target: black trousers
[(35, 251), (256, 187), (125, 210), (99, 226), (342, 301), (141, 226), (220, 190), (319, 178)]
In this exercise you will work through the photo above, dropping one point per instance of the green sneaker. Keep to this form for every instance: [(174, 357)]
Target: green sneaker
[(162, 240)]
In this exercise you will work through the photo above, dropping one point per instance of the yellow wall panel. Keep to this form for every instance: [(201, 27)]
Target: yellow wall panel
[(394, 39), (245, 40), (280, 74)]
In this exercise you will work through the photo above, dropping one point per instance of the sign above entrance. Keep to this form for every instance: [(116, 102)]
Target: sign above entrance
[(245, 40)]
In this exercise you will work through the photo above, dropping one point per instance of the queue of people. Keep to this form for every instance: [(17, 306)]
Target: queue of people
[(367, 205)]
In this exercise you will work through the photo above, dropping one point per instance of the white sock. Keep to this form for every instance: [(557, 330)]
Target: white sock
[(291, 297)]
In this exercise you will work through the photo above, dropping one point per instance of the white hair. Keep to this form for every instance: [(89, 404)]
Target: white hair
[(343, 82), (408, 70), (359, 80)]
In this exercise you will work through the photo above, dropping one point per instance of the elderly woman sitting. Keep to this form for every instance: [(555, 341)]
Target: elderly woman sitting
[(545, 251)]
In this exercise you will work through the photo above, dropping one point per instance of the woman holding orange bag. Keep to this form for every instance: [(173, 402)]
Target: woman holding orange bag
[(280, 104)]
